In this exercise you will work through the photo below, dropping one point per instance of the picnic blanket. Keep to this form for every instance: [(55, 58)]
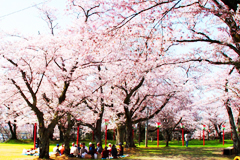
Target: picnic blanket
[(121, 156), (31, 152)]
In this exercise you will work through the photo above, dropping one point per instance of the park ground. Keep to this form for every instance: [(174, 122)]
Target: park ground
[(196, 151)]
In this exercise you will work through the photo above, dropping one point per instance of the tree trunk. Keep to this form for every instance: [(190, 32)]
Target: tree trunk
[(167, 137), (60, 127), (236, 143), (218, 132), (66, 142), (97, 132), (167, 143), (44, 134), (44, 145), (220, 137), (120, 133), (67, 133), (13, 130), (129, 136), (139, 133), (51, 135), (208, 136)]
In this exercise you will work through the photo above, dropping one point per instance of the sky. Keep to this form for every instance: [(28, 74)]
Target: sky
[(24, 17)]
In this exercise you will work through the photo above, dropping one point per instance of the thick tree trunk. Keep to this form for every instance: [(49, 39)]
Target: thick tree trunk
[(13, 129), (167, 137), (220, 137), (60, 127), (44, 145), (51, 135), (167, 143), (67, 134), (44, 134), (236, 142), (129, 136), (120, 133), (97, 132), (66, 142)]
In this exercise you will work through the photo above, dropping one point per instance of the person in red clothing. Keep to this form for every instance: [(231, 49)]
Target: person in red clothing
[(105, 153), (109, 148), (62, 148)]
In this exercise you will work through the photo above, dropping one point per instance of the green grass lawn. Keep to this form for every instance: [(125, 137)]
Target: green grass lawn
[(192, 143), (212, 150)]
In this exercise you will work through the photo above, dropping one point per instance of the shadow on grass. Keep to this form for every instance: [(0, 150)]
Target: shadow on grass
[(178, 153), (18, 141)]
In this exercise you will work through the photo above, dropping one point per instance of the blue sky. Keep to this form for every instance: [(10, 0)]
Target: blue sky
[(23, 16)]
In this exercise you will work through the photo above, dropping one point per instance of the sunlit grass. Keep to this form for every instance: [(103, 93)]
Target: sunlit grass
[(212, 150), (192, 143), (9, 151)]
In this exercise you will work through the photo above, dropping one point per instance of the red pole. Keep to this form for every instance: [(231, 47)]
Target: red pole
[(203, 138), (34, 139), (223, 137), (158, 137), (182, 137), (106, 136), (77, 134)]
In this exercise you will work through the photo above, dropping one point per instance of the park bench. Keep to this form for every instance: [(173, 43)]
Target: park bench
[(228, 151)]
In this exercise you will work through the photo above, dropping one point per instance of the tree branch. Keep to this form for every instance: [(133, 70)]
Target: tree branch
[(211, 41)]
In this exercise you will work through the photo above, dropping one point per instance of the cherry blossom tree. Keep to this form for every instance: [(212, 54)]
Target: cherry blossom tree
[(119, 58), (210, 23)]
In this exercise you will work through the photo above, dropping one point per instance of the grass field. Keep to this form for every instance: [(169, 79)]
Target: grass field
[(196, 151)]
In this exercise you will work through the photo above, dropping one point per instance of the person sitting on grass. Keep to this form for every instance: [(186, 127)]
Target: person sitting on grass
[(79, 147), (99, 148), (120, 149), (114, 152), (109, 147), (105, 153), (61, 149), (92, 150), (73, 151), (56, 150), (83, 150), (84, 146), (37, 142)]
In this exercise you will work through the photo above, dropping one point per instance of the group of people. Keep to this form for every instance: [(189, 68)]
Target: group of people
[(82, 151), (59, 150), (112, 151)]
